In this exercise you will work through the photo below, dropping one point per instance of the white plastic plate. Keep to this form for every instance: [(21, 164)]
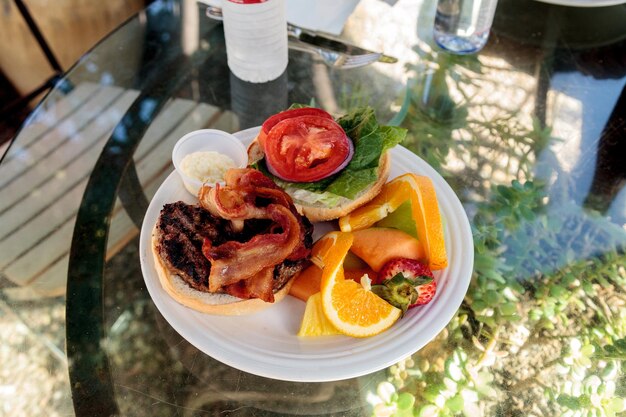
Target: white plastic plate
[(266, 344)]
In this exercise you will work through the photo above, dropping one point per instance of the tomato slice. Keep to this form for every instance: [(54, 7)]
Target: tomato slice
[(288, 114), (307, 148)]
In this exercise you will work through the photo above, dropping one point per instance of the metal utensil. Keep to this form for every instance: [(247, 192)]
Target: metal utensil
[(334, 52), (335, 59)]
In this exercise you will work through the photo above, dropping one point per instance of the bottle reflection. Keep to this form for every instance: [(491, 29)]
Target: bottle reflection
[(255, 102), (432, 95), (430, 91)]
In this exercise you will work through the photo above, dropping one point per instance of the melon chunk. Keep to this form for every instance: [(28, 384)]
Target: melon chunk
[(377, 245), (307, 283), (357, 274), (353, 262)]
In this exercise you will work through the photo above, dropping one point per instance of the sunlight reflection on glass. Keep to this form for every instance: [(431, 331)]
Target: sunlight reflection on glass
[(565, 117)]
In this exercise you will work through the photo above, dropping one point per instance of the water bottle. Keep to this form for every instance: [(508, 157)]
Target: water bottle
[(462, 26), (255, 32)]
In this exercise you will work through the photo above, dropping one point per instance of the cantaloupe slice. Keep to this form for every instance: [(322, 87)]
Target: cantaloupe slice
[(377, 245), (307, 283), (353, 262), (357, 274)]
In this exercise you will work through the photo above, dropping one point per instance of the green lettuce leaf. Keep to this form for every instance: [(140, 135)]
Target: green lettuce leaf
[(350, 183), (392, 136)]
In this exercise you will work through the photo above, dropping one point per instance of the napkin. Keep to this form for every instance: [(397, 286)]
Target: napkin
[(321, 15)]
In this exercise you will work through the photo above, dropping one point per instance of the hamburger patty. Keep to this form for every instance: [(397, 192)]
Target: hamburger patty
[(182, 228)]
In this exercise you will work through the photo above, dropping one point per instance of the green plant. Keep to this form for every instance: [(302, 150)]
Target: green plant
[(542, 329)]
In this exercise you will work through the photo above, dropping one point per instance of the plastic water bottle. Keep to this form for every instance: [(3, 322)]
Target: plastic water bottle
[(462, 26), (255, 32)]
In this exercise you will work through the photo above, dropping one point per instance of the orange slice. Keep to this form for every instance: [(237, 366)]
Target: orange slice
[(428, 220), (314, 321), (308, 281), (425, 212), (322, 248), (391, 196), (351, 308)]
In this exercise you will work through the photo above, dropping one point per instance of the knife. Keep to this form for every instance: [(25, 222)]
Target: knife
[(315, 39), (333, 44)]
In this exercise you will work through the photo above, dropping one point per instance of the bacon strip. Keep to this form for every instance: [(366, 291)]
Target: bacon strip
[(247, 177), (242, 267), (234, 260), (238, 202), (257, 286)]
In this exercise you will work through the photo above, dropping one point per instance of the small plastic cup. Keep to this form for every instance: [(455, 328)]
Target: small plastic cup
[(206, 140)]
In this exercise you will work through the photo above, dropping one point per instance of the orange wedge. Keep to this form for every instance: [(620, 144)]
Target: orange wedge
[(428, 220), (308, 281), (322, 248), (351, 308), (391, 196), (425, 212)]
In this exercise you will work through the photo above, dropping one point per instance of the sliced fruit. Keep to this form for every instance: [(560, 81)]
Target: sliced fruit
[(425, 212), (405, 283), (306, 283), (401, 219), (314, 322), (352, 309), (428, 221), (378, 245), (391, 196), (357, 273), (322, 248), (353, 262), (334, 255)]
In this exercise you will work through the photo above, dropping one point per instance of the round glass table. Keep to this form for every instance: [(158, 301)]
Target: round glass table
[(530, 133)]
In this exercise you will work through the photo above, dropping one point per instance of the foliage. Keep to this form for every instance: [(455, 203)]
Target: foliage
[(549, 276)]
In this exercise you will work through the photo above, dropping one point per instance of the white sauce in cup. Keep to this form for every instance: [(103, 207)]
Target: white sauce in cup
[(207, 166)]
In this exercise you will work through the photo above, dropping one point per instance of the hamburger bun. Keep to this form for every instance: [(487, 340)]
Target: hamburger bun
[(204, 302), (319, 212)]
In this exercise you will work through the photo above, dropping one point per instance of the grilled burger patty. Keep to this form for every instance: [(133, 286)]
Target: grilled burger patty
[(182, 228)]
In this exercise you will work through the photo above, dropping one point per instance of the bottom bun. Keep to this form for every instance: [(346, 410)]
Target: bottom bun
[(210, 303)]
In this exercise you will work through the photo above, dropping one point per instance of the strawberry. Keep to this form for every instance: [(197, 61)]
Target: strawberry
[(405, 283)]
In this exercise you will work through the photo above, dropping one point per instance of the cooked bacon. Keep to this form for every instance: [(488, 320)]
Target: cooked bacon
[(247, 177), (249, 195), (258, 286), (239, 201), (232, 261)]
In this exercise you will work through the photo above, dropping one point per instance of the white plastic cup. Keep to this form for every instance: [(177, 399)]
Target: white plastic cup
[(256, 38), (206, 140)]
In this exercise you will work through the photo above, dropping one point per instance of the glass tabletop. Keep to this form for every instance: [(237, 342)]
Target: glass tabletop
[(530, 133)]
